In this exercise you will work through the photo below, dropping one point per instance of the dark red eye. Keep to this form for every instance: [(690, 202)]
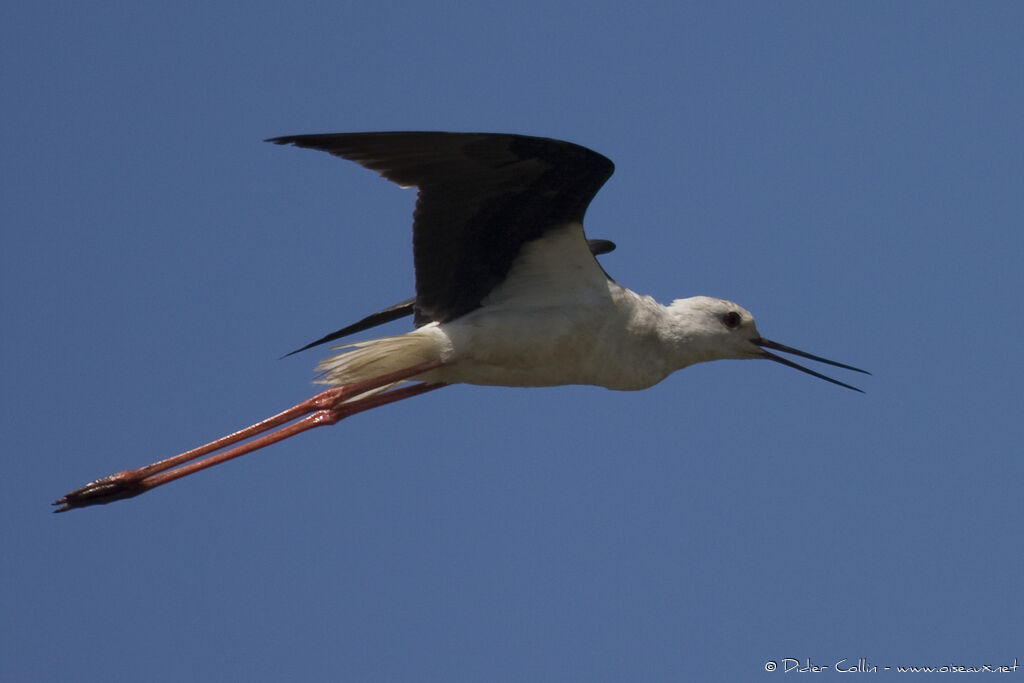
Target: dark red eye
[(731, 320)]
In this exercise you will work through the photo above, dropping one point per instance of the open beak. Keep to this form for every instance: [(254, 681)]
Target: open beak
[(768, 344)]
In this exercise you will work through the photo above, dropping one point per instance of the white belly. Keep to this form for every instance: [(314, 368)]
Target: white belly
[(599, 344), (555, 319)]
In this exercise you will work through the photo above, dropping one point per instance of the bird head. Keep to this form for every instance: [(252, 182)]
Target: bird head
[(711, 329)]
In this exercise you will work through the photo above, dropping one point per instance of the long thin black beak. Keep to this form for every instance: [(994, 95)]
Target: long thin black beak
[(769, 344)]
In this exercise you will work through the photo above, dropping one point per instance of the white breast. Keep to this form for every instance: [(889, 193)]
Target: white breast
[(557, 319)]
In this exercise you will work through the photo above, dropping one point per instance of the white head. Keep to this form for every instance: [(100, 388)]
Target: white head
[(703, 328)]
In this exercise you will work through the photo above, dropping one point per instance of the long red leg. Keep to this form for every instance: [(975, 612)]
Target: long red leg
[(325, 408)]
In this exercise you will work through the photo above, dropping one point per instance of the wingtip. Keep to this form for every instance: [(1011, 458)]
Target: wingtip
[(292, 353)]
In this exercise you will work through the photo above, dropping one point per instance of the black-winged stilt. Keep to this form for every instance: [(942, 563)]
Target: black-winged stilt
[(508, 292)]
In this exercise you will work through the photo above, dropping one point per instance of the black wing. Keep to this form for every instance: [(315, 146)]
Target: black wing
[(404, 308), (481, 197)]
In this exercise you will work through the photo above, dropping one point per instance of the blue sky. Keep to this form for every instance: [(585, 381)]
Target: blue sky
[(849, 172)]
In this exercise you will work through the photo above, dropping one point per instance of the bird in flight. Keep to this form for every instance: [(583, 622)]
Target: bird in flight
[(508, 293)]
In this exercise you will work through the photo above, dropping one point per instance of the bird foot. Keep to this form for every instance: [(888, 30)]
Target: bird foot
[(126, 484)]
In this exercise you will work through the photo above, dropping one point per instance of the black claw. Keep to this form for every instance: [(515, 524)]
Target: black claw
[(100, 492)]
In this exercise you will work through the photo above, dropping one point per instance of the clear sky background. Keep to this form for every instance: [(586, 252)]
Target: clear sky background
[(852, 173)]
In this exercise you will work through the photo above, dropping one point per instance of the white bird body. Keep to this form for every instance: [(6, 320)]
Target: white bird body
[(508, 293), (556, 319)]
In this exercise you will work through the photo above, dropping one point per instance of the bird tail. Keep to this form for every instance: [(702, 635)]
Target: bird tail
[(376, 357)]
